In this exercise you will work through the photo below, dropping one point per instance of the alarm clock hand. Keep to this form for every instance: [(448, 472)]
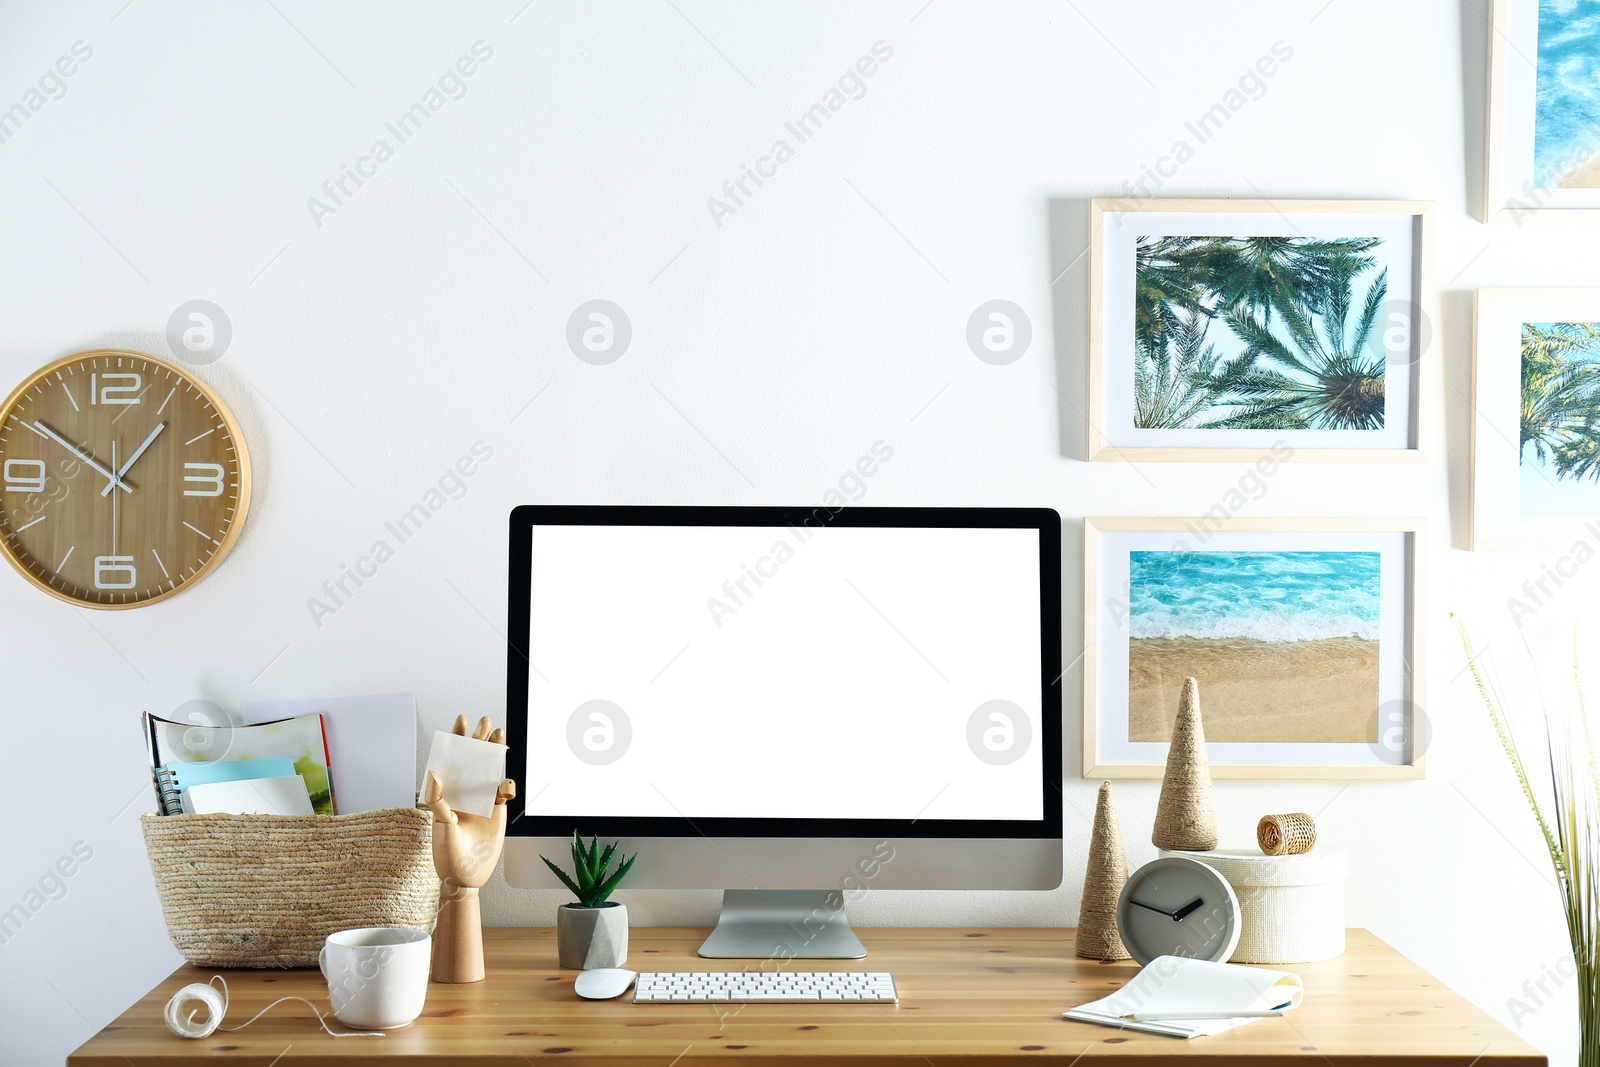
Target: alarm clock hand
[(1150, 907), (1176, 916), (148, 441), (111, 478)]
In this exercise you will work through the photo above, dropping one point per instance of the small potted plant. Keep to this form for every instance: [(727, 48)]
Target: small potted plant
[(594, 931)]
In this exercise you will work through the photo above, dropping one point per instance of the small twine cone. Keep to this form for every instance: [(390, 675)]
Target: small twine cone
[(1286, 835), (1098, 938), (1184, 818)]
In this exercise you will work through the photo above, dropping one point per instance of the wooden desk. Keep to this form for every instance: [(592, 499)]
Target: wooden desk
[(966, 997)]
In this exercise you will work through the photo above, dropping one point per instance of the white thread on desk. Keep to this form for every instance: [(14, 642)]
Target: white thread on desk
[(206, 998)]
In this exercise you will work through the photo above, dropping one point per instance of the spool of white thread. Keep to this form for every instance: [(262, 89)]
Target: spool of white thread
[(193, 999), (188, 1002)]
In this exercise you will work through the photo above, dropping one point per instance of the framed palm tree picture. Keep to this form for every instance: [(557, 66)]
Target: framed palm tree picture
[(1542, 145), (1536, 421), (1225, 329), (1305, 636)]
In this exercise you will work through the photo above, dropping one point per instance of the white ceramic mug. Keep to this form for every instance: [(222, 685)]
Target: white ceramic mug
[(377, 975)]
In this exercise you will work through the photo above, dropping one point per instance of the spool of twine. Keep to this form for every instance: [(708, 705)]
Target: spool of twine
[(1286, 835)]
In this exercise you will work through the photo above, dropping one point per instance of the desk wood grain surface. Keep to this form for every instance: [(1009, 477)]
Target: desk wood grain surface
[(967, 996)]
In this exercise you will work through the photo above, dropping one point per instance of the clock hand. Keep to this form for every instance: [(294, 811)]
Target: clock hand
[(148, 441), (81, 454), (1187, 910), (1148, 907)]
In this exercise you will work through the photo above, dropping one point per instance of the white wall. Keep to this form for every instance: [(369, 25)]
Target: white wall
[(769, 350)]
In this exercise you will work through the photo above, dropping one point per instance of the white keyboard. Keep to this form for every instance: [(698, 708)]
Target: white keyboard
[(750, 987)]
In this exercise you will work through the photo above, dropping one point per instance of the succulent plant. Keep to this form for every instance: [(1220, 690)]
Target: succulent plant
[(592, 881)]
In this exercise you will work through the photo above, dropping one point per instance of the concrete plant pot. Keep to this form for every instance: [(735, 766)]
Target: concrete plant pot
[(592, 937)]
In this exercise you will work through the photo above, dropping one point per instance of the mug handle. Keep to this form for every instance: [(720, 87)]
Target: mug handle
[(322, 960)]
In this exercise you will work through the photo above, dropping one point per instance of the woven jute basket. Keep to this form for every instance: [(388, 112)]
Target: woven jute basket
[(265, 890)]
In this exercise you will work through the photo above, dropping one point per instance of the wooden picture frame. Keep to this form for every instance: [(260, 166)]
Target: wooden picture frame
[(1511, 88), (1395, 750), (1112, 435), (1518, 499)]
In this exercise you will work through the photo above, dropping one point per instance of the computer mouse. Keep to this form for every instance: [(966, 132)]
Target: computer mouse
[(603, 983)]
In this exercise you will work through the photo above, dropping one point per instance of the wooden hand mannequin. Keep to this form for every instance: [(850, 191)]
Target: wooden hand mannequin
[(466, 848)]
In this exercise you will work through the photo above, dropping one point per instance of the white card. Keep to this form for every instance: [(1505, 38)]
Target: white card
[(251, 796), (471, 771), (372, 745)]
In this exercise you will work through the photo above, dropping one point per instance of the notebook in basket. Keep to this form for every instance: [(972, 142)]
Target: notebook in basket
[(175, 777), (175, 747)]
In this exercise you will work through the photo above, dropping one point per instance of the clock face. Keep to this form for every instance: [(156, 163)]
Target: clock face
[(123, 479), (1176, 906)]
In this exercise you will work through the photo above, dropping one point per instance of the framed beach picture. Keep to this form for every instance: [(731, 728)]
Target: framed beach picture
[(1542, 147), (1536, 420), (1304, 634), (1223, 329)]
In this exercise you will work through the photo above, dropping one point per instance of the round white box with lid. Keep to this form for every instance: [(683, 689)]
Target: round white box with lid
[(1291, 907)]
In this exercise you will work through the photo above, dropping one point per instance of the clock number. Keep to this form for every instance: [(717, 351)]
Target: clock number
[(102, 393), (107, 567), (209, 474), (20, 480)]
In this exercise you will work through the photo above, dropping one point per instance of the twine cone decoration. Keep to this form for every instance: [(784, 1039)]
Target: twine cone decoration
[(1184, 819), (1098, 938)]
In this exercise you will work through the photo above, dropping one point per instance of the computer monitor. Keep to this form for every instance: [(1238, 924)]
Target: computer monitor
[(796, 706)]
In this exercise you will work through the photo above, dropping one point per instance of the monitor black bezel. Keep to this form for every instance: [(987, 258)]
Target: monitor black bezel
[(1044, 520)]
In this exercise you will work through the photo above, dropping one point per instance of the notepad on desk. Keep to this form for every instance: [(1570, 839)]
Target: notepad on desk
[(1180, 997)]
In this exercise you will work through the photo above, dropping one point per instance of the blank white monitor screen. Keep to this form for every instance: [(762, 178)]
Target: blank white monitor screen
[(770, 672)]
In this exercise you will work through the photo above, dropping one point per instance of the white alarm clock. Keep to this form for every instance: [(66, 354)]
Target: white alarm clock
[(1176, 906)]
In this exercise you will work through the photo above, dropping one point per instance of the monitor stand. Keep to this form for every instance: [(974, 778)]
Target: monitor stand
[(782, 924)]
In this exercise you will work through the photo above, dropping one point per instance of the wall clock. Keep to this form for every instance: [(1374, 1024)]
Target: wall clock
[(123, 479), (1176, 906)]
